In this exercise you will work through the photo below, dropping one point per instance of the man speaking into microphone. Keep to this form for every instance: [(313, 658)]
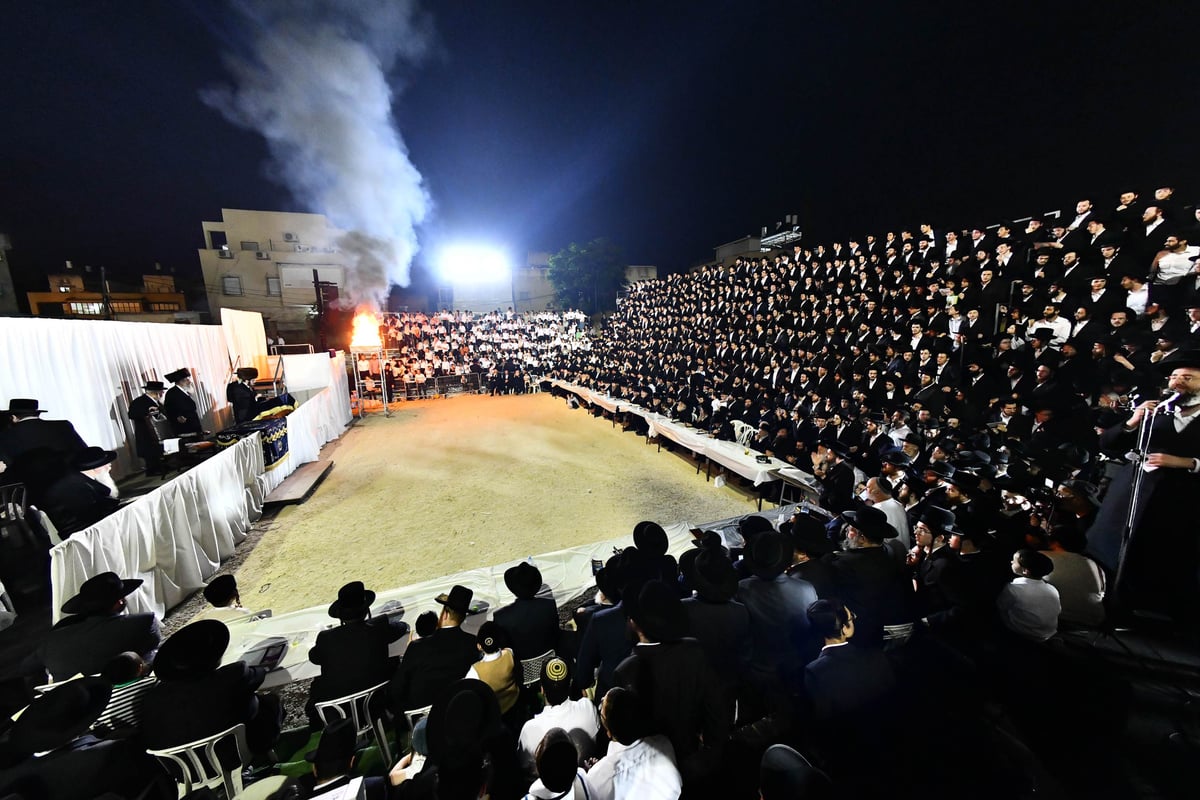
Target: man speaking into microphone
[(1158, 565)]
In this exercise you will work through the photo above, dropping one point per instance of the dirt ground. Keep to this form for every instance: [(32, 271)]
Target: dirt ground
[(470, 481)]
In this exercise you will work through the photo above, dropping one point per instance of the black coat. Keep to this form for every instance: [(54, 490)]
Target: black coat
[(75, 501), (779, 632), (85, 644), (531, 624), (243, 399), (87, 768), (876, 587), (353, 657), (179, 404), (605, 644), (429, 666), (37, 440), (183, 710), (140, 410), (723, 630), (845, 682)]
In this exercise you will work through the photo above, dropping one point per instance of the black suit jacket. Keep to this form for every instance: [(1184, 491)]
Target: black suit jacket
[(179, 711), (75, 502), (178, 403), (876, 587), (36, 439), (87, 768), (353, 657), (429, 666), (846, 682), (242, 398), (140, 411), (531, 624), (605, 645), (84, 644)]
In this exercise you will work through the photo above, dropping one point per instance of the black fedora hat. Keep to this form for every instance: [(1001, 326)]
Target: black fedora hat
[(24, 405), (897, 458), (457, 599), (650, 538), (871, 523), (92, 458), (100, 593), (465, 716), (808, 535), (353, 601), (194, 649), (154, 386), (1181, 359), (939, 520), (769, 555), (178, 375), (524, 580), (658, 612), (57, 717), (247, 373), (713, 576), (338, 743)]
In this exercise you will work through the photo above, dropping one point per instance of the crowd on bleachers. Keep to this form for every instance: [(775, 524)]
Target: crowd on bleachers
[(506, 348), (962, 407)]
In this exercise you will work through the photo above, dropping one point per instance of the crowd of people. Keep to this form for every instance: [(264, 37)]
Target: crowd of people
[(504, 348)]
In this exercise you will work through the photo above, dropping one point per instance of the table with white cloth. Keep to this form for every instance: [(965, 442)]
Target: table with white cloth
[(173, 538)]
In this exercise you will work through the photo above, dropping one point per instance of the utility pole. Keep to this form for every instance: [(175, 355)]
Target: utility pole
[(320, 311), (108, 314)]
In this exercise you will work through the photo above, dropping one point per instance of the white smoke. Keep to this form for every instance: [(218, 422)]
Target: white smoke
[(315, 84)]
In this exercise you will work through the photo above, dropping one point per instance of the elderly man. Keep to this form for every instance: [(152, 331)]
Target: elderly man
[(180, 405), (433, 663), (1156, 563), (142, 410), (82, 493), (875, 585), (30, 440)]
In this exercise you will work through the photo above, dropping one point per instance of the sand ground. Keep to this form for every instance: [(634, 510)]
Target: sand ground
[(450, 484)]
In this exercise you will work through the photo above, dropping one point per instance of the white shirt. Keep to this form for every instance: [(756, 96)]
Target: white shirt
[(896, 515), (572, 715), (1137, 299), (645, 770), (1080, 584), (1030, 608), (1174, 266), (581, 789)]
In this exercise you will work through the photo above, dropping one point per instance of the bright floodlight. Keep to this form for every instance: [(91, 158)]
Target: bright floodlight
[(466, 265)]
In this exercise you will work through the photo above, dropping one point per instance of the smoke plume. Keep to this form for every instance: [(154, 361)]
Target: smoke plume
[(314, 82)]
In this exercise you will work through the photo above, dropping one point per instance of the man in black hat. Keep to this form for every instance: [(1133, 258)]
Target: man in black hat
[(1156, 563), (142, 410), (98, 630), (931, 557), (354, 655), (778, 625), (672, 674), (874, 584), (433, 663), (196, 696), (241, 394), (831, 466), (717, 621), (810, 544), (82, 494), (333, 762), (530, 622), (29, 441), (180, 405), (73, 764)]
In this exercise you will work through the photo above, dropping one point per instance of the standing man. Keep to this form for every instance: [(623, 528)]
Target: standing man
[(31, 443), (180, 406), (141, 410), (1156, 566)]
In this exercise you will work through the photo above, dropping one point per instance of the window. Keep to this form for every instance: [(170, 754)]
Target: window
[(126, 306), (231, 285), (164, 306), (250, 245), (86, 309), (274, 287)]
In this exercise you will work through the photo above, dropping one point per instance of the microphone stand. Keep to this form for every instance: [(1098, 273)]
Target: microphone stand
[(1137, 459)]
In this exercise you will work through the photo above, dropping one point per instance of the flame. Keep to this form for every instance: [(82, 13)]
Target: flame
[(366, 330)]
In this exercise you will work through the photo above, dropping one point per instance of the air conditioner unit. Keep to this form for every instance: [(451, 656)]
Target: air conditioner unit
[(300, 248), (291, 237), (262, 255)]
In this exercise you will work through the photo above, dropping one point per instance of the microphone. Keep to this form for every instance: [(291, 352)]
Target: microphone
[(1168, 403)]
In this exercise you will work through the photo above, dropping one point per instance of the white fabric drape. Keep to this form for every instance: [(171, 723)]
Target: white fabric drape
[(87, 371), (173, 538), (245, 338)]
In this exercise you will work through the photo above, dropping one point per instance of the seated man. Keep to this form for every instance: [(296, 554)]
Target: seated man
[(98, 630), (81, 493), (431, 664), (354, 655), (74, 765), (531, 622), (637, 764), (224, 601), (1029, 606), (197, 697), (577, 717), (497, 667)]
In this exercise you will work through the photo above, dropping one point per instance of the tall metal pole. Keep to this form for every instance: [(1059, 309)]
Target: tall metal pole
[(320, 311)]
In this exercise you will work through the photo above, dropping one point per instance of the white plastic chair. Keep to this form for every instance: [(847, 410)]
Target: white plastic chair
[(355, 707), (415, 715), (196, 764), (743, 432), (531, 668)]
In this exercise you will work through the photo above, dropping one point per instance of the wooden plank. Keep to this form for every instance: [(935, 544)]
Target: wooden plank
[(297, 487)]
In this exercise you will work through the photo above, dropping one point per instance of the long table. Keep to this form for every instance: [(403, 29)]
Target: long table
[(736, 458)]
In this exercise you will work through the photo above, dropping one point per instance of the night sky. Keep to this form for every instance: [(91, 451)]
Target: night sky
[(667, 127)]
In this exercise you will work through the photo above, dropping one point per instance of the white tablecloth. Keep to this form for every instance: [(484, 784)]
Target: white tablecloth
[(320, 418), (173, 538)]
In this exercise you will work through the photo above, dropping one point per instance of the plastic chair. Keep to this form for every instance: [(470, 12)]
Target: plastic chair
[(356, 708), (531, 668), (197, 764), (415, 715), (743, 432)]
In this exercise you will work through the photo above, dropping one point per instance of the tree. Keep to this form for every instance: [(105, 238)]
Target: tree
[(587, 276)]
